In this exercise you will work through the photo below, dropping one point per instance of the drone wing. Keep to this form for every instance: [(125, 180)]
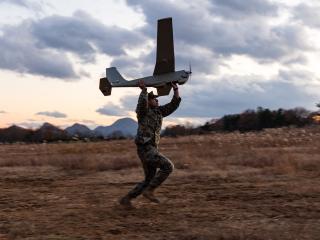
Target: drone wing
[(165, 48)]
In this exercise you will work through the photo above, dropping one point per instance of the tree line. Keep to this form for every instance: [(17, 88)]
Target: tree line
[(249, 120)]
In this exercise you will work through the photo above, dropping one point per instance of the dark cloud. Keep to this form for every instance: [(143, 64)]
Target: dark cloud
[(24, 3), (237, 9), (54, 114), (40, 47), (20, 53), (16, 2), (251, 34), (2, 112), (84, 36), (202, 37), (112, 110), (307, 14)]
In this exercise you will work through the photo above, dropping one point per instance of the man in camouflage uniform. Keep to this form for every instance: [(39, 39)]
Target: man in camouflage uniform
[(150, 115)]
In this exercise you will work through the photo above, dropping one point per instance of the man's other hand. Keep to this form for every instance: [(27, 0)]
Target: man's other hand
[(175, 89), (174, 86)]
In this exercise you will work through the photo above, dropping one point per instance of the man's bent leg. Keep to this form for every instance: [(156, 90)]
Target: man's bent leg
[(149, 172), (166, 167)]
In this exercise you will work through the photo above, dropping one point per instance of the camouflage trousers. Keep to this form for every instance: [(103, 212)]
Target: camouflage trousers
[(151, 160)]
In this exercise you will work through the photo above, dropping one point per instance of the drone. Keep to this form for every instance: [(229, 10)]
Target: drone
[(164, 72)]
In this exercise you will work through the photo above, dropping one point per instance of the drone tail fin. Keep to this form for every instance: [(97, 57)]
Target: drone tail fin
[(165, 47), (113, 79)]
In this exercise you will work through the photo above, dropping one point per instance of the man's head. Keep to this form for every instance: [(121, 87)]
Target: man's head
[(152, 100)]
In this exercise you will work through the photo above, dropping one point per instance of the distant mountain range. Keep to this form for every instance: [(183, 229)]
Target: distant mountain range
[(122, 128), (127, 127)]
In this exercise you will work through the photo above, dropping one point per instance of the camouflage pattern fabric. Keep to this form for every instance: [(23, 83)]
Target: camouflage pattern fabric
[(151, 159), (150, 119), (147, 140)]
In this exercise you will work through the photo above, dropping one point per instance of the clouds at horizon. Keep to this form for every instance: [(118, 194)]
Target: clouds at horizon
[(54, 114), (111, 109)]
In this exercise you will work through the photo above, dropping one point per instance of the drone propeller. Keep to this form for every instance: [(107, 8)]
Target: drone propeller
[(190, 71)]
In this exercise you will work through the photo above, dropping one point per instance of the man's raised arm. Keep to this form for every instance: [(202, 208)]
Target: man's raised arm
[(170, 107), (142, 105)]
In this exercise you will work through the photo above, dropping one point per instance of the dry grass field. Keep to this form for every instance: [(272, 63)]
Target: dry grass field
[(231, 186)]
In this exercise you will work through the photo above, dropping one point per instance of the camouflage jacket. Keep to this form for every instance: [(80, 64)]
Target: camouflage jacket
[(150, 119)]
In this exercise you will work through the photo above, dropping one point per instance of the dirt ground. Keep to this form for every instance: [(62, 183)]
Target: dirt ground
[(221, 195)]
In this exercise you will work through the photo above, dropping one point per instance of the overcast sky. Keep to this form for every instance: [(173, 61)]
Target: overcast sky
[(244, 54)]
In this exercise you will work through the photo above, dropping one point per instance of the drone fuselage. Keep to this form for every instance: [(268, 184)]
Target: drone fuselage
[(114, 79)]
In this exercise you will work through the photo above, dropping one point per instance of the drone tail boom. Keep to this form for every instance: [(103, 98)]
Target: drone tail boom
[(113, 79)]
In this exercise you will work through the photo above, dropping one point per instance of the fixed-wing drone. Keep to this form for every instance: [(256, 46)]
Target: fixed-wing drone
[(164, 71)]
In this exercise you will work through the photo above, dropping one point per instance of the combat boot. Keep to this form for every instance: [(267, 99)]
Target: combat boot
[(126, 201), (149, 194)]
